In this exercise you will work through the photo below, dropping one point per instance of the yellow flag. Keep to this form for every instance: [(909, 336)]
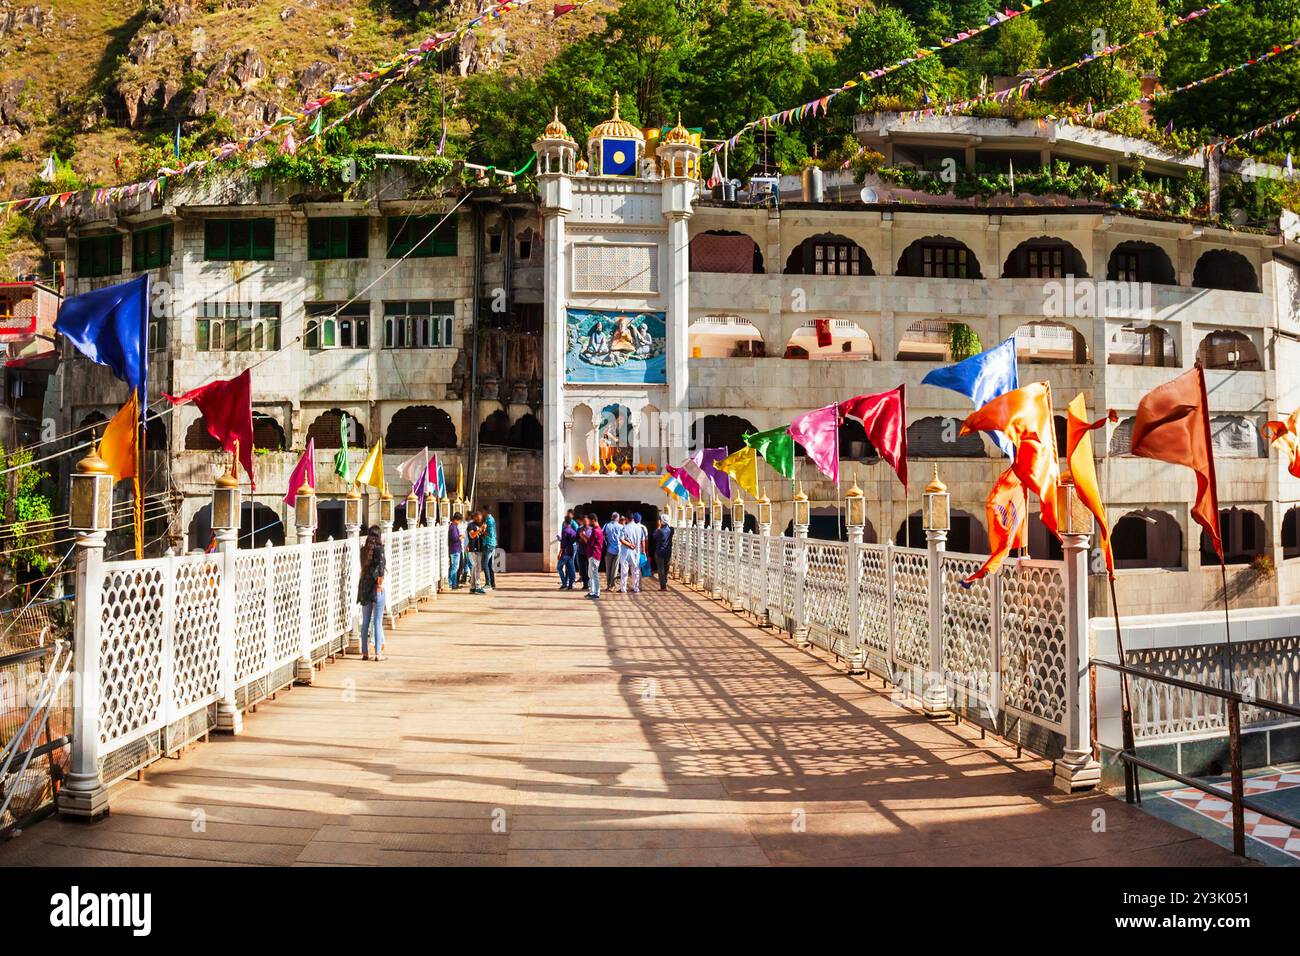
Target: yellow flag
[(460, 481), (1084, 471), (117, 445), (371, 471), (743, 466)]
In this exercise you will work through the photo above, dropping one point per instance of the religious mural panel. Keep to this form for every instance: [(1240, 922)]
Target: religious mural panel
[(620, 347)]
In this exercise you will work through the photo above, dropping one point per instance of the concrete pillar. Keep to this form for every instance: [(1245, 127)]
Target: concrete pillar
[(83, 793), (230, 719), (556, 203), (354, 555), (1075, 768), (678, 196), (934, 701)]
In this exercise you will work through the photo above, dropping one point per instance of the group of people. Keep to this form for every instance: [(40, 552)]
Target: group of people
[(470, 545), (622, 549)]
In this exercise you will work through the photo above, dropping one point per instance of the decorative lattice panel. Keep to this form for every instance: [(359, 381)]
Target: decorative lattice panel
[(968, 628), (346, 585), (286, 609), (780, 569), (131, 648), (912, 606), (319, 595), (615, 268), (1034, 641), (873, 602), (196, 631), (250, 614), (826, 595)]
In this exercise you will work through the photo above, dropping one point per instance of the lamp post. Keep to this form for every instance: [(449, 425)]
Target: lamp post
[(225, 529), (412, 509), (1076, 769), (802, 513), (430, 508), (764, 515), (717, 510), (764, 530), (737, 514), (935, 518), (855, 512), (385, 511), (304, 514), (90, 496), (802, 518), (444, 510), (352, 512), (352, 525)]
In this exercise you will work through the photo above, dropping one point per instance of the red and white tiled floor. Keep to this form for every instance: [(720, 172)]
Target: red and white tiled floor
[(1271, 832)]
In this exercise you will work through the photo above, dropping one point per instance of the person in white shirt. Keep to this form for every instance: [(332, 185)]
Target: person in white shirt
[(631, 543)]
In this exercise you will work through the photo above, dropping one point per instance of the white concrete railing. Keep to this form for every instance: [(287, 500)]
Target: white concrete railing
[(1009, 652), (168, 649)]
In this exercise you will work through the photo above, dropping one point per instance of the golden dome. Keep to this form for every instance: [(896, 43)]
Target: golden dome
[(679, 135), (582, 165), (557, 130), (616, 127)]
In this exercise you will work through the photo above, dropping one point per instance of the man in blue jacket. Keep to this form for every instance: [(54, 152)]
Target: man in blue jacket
[(489, 552)]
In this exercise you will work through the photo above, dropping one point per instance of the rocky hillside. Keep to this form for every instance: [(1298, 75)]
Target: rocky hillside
[(94, 82)]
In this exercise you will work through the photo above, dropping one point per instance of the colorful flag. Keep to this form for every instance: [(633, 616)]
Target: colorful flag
[(699, 480), (708, 459), (439, 480), (982, 378), (688, 483), (824, 337), (671, 484), (1173, 425), (1007, 514), (742, 465), (342, 464), (119, 448), (1025, 416), (884, 418), (819, 433), (460, 480), (416, 470), (227, 407), (1083, 469), (49, 171), (371, 472), (776, 447), (304, 473), (110, 326), (1285, 438)]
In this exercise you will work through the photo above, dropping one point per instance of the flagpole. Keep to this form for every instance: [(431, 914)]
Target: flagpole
[(1214, 489)]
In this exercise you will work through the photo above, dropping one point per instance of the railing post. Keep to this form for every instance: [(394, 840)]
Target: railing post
[(393, 573), (83, 793), (354, 581), (715, 587), (891, 622), (996, 696), (854, 653), (229, 718), (934, 702), (302, 669), (764, 538), (1075, 768), (737, 547), (799, 630)]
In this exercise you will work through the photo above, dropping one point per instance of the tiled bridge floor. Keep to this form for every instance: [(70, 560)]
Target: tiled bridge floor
[(534, 727)]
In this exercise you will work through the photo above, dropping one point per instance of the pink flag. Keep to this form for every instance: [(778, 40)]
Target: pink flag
[(304, 473), (819, 433)]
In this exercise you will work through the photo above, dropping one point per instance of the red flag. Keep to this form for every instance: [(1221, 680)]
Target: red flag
[(884, 419), (227, 408), (304, 473), (1025, 417), (1173, 425), (823, 332), (1007, 511), (1283, 436)]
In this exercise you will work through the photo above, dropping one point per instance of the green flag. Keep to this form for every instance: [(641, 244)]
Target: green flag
[(341, 456), (776, 446)]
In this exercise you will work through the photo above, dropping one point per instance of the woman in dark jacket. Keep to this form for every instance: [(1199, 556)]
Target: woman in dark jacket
[(370, 593)]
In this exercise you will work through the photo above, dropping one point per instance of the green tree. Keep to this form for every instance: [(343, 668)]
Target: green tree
[(1076, 28), (879, 39), (1018, 47), (26, 512)]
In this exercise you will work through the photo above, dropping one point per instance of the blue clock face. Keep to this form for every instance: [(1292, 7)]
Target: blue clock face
[(618, 157)]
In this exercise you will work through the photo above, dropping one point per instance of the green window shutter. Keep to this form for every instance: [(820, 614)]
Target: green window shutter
[(358, 237), (115, 255), (318, 239), (444, 240), (85, 255), (216, 239)]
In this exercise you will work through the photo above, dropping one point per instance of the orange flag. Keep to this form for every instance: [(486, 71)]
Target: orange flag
[(117, 446), (1025, 417), (1007, 510), (1083, 469), (1173, 425), (1283, 436)]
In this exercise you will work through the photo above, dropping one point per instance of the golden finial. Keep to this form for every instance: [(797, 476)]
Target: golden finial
[(679, 135), (616, 116), (854, 491), (799, 495), (579, 466), (935, 486)]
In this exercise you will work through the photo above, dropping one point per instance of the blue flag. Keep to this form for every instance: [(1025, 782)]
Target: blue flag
[(110, 326), (982, 378)]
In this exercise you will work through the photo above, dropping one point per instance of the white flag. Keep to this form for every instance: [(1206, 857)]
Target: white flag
[(415, 466), (715, 177), (1011, 174), (47, 172)]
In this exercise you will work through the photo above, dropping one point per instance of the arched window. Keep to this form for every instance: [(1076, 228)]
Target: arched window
[(828, 255), (1243, 538), (526, 433), (721, 250), (98, 420), (419, 426), (836, 339), (965, 536), (936, 437), (197, 438), (495, 429), (939, 257), (1140, 262), (1147, 539), (725, 431), (155, 435), (1291, 533), (1122, 437), (327, 430), (1044, 258), (1229, 350), (854, 443), (1050, 343), (614, 436), (267, 433), (725, 336), (937, 340), (1225, 269), (1148, 345), (1235, 436)]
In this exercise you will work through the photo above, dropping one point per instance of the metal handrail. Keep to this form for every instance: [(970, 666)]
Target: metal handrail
[(1236, 796)]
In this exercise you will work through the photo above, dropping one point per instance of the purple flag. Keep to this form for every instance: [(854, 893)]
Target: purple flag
[(819, 433), (708, 461), (304, 473)]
